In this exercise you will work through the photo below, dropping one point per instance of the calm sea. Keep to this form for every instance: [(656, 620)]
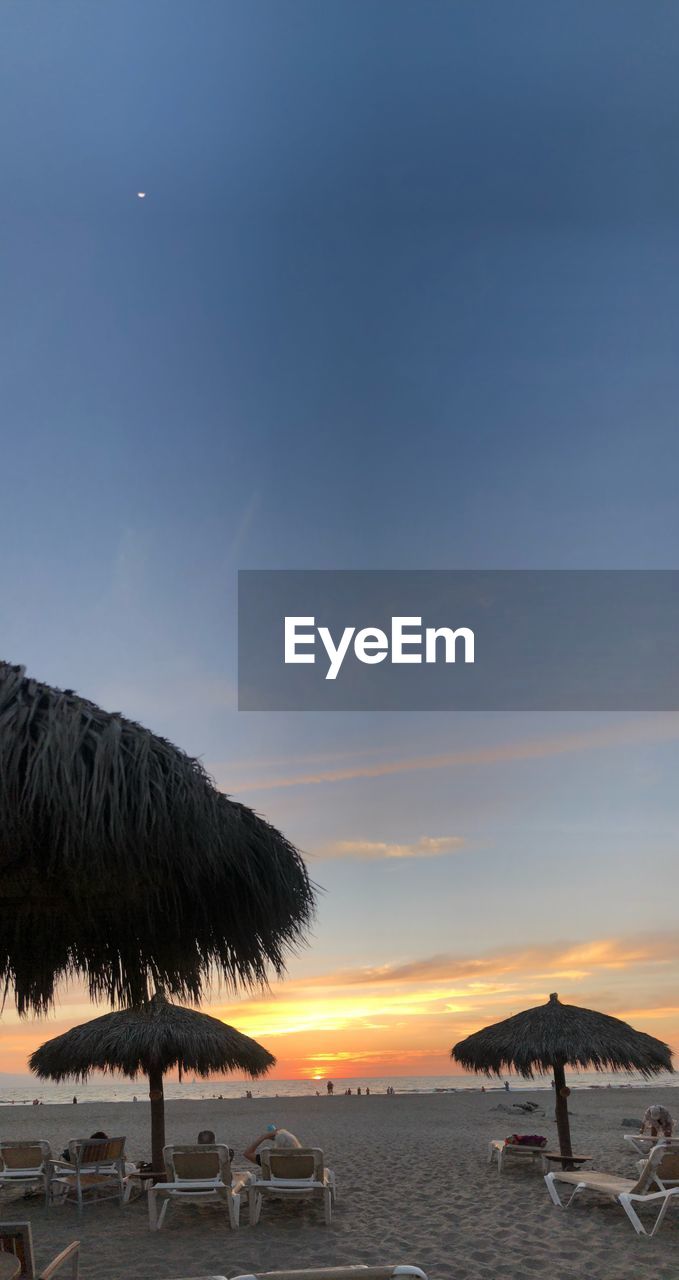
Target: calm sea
[(22, 1089)]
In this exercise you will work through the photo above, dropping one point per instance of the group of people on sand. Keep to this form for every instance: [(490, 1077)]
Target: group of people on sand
[(330, 1089)]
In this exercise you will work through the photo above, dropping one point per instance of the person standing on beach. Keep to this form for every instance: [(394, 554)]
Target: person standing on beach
[(330, 1087)]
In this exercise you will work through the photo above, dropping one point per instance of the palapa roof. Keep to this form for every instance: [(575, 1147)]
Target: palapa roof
[(556, 1034), (122, 862), (156, 1035)]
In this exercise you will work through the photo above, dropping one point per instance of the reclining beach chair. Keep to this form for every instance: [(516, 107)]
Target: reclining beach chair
[(502, 1150), (95, 1171), (624, 1191), (16, 1239), (26, 1162), (341, 1273), (292, 1173), (197, 1174)]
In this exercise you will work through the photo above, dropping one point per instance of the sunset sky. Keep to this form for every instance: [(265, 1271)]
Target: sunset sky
[(397, 297)]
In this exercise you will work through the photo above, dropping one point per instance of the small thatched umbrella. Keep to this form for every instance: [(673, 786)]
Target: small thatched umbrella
[(554, 1036), (150, 1041), (120, 861)]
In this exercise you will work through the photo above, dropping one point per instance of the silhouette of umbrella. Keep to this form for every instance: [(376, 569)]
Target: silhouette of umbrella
[(150, 1040), (554, 1036), (121, 862)]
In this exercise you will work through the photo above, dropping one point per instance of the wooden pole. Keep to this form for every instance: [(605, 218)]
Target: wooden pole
[(561, 1107), (157, 1098)]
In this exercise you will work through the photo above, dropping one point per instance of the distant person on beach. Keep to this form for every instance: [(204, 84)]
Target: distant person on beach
[(330, 1087), (506, 1086), (367, 1092), (75, 1100), (281, 1139), (657, 1122)]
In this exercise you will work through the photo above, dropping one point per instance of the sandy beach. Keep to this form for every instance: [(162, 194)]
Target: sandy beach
[(413, 1182)]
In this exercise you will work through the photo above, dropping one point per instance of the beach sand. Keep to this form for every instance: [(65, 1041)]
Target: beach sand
[(413, 1184)]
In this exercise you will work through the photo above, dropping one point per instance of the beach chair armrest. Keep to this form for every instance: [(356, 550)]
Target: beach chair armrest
[(68, 1255)]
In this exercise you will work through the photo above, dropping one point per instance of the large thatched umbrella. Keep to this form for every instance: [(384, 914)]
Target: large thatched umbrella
[(120, 861), (150, 1040), (554, 1036)]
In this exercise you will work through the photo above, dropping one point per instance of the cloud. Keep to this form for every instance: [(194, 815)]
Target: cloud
[(375, 850), (656, 729)]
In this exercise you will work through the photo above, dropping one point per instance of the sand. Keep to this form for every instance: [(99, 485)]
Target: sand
[(413, 1183)]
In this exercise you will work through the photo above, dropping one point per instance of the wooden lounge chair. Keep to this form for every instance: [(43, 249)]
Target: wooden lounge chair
[(26, 1162), (341, 1273), (16, 1238), (95, 1171), (198, 1174), (292, 1173), (624, 1191)]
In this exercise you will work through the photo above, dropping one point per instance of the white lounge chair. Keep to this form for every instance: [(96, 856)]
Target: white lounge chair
[(292, 1173), (340, 1273), (624, 1191), (95, 1171), (26, 1162), (197, 1174), (16, 1238), (502, 1150)]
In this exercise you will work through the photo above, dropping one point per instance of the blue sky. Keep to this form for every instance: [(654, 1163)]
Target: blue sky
[(402, 293)]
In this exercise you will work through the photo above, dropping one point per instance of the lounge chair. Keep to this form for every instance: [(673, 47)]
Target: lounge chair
[(26, 1162), (340, 1273), (16, 1238), (503, 1150), (95, 1171), (292, 1173), (624, 1191), (197, 1174)]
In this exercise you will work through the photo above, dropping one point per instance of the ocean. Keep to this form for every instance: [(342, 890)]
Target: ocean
[(17, 1090)]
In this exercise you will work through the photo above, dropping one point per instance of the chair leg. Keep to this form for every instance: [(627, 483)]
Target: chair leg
[(254, 1206), (550, 1183), (233, 1204), (327, 1202), (634, 1218), (153, 1209)]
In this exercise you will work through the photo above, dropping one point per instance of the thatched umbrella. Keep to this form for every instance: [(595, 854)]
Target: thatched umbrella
[(120, 861), (150, 1040), (554, 1036)]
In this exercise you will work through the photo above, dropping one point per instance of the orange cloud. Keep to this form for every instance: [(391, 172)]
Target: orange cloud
[(425, 847), (658, 728), (402, 1018)]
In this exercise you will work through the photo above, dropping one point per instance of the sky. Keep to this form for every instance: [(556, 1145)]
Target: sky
[(401, 294)]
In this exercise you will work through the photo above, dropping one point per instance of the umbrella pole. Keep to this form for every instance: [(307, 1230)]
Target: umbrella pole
[(562, 1122), (157, 1098)]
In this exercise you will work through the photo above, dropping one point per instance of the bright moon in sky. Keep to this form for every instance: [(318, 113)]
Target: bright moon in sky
[(142, 195)]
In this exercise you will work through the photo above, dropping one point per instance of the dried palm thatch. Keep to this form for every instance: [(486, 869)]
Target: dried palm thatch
[(120, 861), (151, 1040), (553, 1036)]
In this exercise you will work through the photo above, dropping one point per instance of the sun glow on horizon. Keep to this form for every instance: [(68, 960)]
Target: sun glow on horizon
[(401, 1018)]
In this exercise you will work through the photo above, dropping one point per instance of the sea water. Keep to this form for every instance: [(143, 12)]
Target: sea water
[(21, 1089)]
